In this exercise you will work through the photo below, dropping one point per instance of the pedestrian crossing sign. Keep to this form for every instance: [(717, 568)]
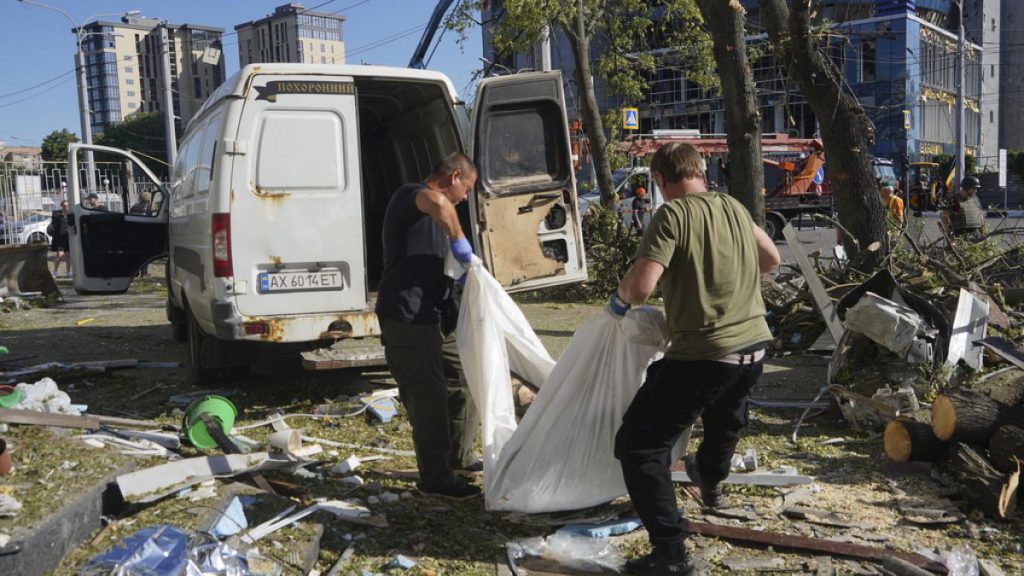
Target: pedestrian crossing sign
[(630, 119)]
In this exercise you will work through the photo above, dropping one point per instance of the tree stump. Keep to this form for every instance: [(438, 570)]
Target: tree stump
[(981, 484), (911, 441), (1006, 447), (965, 416)]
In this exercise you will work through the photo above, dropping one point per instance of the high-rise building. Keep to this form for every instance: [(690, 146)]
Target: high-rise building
[(292, 34), (124, 68), (897, 56), (1011, 77)]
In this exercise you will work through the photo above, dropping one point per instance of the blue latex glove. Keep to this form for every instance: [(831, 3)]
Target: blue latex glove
[(461, 249), (617, 306)]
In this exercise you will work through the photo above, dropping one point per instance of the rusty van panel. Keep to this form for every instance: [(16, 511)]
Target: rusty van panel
[(512, 244)]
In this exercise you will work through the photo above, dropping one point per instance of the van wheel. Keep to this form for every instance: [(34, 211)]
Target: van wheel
[(773, 225), (199, 373)]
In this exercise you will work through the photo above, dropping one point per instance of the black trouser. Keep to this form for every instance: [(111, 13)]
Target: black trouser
[(673, 395), (426, 365)]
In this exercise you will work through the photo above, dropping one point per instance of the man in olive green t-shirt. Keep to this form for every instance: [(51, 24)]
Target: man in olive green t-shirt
[(709, 254)]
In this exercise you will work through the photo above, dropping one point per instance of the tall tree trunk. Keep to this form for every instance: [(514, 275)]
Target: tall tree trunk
[(726, 21), (846, 131), (579, 39)]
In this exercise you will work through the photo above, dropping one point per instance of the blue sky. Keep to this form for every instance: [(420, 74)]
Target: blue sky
[(37, 46)]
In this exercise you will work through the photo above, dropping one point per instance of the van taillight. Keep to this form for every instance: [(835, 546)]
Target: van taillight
[(221, 229)]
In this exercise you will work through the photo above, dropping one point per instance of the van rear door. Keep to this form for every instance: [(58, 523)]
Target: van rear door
[(126, 227), (296, 217), (525, 211)]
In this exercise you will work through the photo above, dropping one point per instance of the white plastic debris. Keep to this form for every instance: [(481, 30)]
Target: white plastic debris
[(45, 396), (347, 465), (9, 505), (887, 323)]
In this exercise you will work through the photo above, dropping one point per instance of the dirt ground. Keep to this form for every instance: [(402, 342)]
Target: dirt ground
[(853, 479)]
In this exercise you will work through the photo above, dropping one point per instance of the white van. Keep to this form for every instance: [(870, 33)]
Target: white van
[(273, 217)]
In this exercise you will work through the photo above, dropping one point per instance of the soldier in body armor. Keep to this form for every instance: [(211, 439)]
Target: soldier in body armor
[(963, 214)]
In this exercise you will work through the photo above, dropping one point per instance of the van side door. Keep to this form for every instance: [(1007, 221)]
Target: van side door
[(120, 230), (525, 213)]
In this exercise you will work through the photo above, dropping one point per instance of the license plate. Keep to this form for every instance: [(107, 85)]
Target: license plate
[(294, 281)]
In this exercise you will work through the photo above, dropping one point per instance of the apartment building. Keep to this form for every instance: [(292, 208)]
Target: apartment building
[(292, 34), (124, 68), (27, 157)]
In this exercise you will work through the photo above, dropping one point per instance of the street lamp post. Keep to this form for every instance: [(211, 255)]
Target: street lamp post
[(83, 87)]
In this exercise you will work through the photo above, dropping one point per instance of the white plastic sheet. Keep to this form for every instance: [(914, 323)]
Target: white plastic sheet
[(561, 456), (493, 335)]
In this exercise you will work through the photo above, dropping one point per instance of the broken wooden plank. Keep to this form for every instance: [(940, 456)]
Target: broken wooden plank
[(1004, 349), (794, 542), (154, 483), (821, 297), (781, 477), (31, 417)]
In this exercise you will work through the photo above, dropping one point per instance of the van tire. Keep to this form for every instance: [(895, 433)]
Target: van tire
[(198, 373)]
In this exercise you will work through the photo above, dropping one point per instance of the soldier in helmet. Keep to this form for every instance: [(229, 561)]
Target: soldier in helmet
[(963, 215)]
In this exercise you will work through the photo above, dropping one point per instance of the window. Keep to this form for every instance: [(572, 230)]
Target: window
[(867, 62), (131, 105), (991, 117), (323, 48), (513, 149), (129, 69), (323, 60), (129, 81), (992, 71), (320, 152), (131, 93)]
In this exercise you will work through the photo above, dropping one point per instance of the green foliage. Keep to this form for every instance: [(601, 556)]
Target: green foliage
[(1015, 162), (142, 134), (946, 160), (55, 145)]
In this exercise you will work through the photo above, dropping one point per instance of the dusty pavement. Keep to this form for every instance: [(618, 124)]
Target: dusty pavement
[(868, 498)]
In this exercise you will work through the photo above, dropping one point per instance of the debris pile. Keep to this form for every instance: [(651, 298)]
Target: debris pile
[(918, 344)]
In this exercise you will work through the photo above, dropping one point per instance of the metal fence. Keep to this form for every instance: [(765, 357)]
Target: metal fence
[(30, 193)]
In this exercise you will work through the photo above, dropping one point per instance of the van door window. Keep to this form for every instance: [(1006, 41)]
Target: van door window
[(514, 155)]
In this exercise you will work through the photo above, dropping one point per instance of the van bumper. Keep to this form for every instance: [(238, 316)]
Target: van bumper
[(230, 325)]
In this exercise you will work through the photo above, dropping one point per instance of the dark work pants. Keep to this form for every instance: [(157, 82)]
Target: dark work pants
[(426, 365), (673, 395)]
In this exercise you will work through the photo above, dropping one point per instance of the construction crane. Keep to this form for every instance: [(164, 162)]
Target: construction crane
[(420, 53)]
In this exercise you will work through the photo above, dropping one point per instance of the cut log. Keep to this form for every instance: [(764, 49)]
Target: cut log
[(991, 491), (910, 441), (965, 416), (1006, 447)]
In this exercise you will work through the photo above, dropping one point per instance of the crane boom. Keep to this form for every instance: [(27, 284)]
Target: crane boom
[(428, 34)]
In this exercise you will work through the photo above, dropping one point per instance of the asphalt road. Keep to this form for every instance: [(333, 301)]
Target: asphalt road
[(823, 237)]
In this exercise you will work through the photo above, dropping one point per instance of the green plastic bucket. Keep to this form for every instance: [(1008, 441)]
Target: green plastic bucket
[(219, 408)]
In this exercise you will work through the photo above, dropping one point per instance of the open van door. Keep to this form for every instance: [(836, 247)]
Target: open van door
[(120, 229), (525, 214)]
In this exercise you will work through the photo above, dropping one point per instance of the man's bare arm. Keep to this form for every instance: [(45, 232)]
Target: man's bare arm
[(438, 207), (640, 281), (768, 258)]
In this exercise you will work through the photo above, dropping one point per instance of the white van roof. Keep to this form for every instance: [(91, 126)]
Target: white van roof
[(236, 85)]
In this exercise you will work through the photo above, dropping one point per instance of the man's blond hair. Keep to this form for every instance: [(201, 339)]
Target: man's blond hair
[(677, 161)]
